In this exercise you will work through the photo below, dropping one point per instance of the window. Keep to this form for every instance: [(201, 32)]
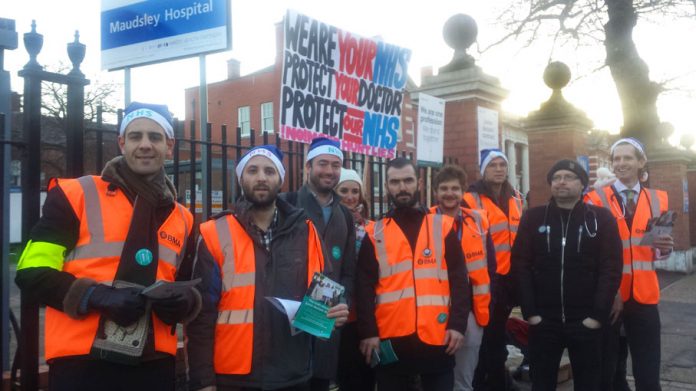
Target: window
[(267, 117), (243, 121)]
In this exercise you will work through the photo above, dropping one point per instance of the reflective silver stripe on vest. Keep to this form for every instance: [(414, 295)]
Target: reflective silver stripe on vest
[(477, 198), (390, 297), (429, 273), (643, 265), (654, 202), (502, 247), (235, 316), (168, 255), (437, 237), (483, 289), (428, 300), (513, 228), (625, 243), (479, 225), (385, 269), (498, 227), (626, 269), (476, 265), (96, 250), (230, 278), (95, 224)]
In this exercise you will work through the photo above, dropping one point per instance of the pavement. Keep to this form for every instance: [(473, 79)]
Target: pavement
[(678, 316)]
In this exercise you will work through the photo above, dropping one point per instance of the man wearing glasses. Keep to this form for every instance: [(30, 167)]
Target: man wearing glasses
[(567, 260)]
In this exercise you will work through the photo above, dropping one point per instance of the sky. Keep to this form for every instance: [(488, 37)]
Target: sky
[(414, 24)]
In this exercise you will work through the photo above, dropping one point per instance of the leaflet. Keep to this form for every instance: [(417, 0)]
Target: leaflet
[(309, 315), (658, 226), (322, 294)]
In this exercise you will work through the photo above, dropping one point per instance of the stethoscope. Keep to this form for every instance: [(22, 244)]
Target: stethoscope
[(546, 228), (461, 218), (622, 204)]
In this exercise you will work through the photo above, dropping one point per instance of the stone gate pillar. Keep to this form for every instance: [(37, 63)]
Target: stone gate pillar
[(556, 131), (465, 88)]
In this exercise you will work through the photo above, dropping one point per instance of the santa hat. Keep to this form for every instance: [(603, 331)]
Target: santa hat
[(324, 146), (269, 151), (157, 113), (488, 154)]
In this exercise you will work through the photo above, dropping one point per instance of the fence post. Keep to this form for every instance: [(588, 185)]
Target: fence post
[(75, 118)]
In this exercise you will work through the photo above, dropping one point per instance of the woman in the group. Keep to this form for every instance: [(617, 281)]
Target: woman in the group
[(353, 372)]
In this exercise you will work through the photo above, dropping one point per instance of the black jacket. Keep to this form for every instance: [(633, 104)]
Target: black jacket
[(279, 360), (573, 282), (338, 237)]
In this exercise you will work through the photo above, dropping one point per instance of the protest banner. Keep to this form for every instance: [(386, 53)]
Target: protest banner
[(341, 85)]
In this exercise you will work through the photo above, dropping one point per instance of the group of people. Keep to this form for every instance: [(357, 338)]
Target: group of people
[(428, 290)]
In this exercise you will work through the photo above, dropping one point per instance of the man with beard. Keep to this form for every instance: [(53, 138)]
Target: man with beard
[(266, 248), (412, 292), (567, 259), (503, 206), (100, 241), (472, 230), (335, 225)]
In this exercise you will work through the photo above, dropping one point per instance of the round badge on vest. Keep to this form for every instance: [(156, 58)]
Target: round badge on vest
[(542, 229), (336, 252), (442, 318), (143, 257), (427, 252)]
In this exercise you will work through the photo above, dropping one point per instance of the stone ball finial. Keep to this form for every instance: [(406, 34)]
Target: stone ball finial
[(556, 75), (460, 31), (687, 140)]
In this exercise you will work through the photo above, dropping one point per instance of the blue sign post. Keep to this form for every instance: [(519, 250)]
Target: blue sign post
[(148, 31)]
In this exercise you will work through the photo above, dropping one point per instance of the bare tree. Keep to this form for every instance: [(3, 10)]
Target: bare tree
[(54, 99), (610, 22)]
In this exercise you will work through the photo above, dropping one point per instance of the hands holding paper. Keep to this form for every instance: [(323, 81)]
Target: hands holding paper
[(664, 243), (367, 346), (340, 313)]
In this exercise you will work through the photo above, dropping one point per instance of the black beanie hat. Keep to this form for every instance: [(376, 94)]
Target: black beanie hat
[(570, 165)]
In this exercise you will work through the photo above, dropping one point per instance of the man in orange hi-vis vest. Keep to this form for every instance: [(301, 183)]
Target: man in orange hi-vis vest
[(412, 294), (472, 230), (266, 248), (633, 205), (503, 206), (100, 241)]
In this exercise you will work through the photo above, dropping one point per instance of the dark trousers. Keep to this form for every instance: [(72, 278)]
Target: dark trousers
[(353, 372), (614, 356), (548, 339), (642, 325), (391, 380), (78, 373), (491, 373)]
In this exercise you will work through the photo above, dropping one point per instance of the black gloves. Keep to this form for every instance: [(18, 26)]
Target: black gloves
[(175, 309), (122, 305)]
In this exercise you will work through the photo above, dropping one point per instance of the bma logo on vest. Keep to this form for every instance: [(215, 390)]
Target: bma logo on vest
[(426, 261), (472, 254), (170, 238)]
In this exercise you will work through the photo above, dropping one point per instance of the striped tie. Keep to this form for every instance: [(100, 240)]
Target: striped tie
[(630, 202)]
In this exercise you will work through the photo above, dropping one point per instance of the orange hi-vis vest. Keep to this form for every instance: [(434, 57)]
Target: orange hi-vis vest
[(413, 293), (474, 232), (105, 218), (639, 277), (233, 250), (503, 229)]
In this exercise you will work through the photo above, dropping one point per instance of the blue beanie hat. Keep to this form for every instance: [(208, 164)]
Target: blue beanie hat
[(269, 151), (157, 113), (489, 154), (324, 145)]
